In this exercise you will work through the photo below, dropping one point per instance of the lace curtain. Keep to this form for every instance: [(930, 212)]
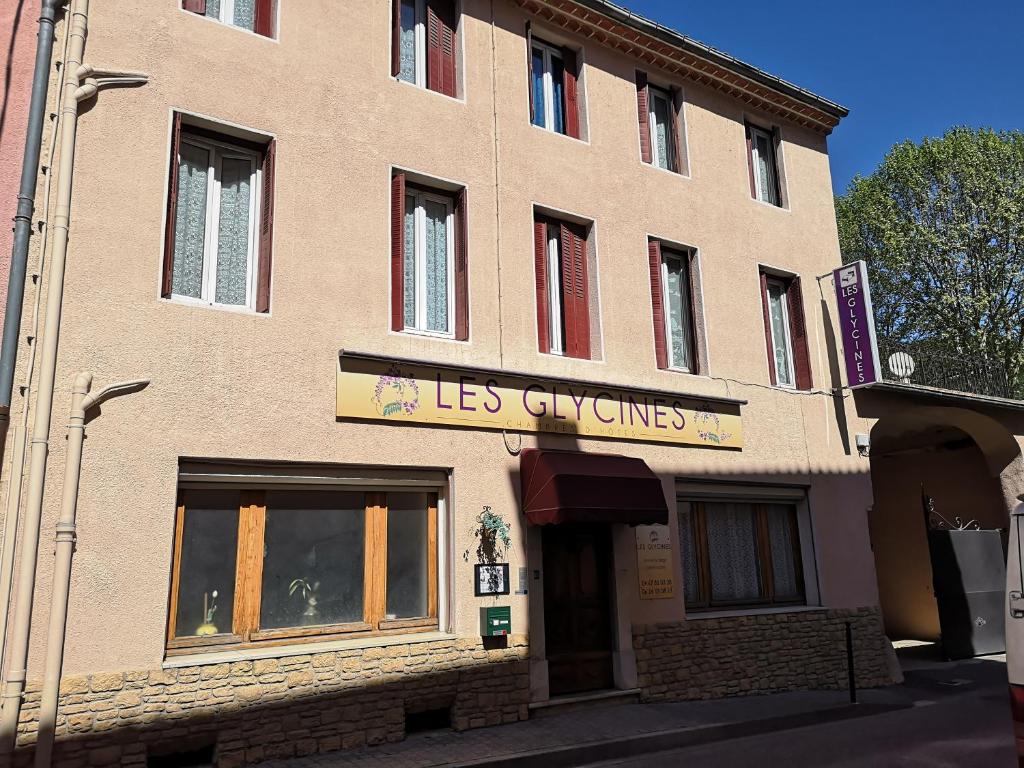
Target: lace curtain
[(776, 300), (245, 12), (407, 43), (190, 222), (688, 548), (732, 544), (766, 171), (436, 266), (780, 535), (662, 131), (409, 300), (679, 311), (233, 231)]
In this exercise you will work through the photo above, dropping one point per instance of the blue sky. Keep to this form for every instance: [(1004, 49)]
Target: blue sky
[(904, 68)]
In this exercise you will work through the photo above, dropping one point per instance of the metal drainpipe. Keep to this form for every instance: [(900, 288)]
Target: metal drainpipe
[(25, 211), (81, 403), (14, 685)]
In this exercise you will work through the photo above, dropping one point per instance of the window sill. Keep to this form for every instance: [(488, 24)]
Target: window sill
[(400, 81), (697, 615), (771, 205), (184, 301), (670, 172), (300, 649), (439, 335), (271, 38), (563, 135)]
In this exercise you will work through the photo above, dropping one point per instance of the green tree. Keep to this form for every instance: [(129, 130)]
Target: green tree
[(941, 226)]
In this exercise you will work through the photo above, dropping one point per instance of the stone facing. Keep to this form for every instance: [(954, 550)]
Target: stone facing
[(709, 658), (275, 708)]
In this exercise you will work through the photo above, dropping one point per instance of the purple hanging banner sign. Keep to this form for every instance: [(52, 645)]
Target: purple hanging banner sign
[(857, 324)]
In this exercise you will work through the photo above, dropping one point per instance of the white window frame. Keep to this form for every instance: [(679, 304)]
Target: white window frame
[(773, 170), (420, 260), (654, 93), (684, 262), (788, 340), (556, 320), (548, 53), (218, 152), (420, 37)]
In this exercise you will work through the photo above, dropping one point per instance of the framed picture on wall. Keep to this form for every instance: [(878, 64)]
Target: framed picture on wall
[(490, 579)]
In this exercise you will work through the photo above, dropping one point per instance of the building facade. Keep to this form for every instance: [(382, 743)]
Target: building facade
[(488, 365)]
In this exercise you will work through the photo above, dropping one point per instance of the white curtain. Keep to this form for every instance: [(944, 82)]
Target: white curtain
[(436, 266), (233, 232), (407, 42), (776, 302), (409, 265), (780, 535), (245, 14), (732, 544), (688, 548), (190, 221), (663, 131), (679, 311)]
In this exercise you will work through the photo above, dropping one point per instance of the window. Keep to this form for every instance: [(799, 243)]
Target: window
[(254, 15), (785, 332), (738, 554), (286, 564), (219, 220), (554, 93), (423, 44), (672, 298), (428, 260), (763, 165), (563, 289), (658, 114)]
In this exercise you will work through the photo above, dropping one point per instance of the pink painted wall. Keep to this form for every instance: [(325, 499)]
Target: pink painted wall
[(18, 26)]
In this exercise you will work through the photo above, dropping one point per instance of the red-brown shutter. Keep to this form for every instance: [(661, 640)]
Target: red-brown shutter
[(263, 23), (678, 128), (691, 260), (266, 230), (575, 294), (172, 209), (441, 46), (540, 265), (643, 116), (398, 252), (768, 329), (461, 267), (396, 37), (798, 332), (657, 303), (571, 93), (569, 305), (750, 169), (529, 67), (195, 6)]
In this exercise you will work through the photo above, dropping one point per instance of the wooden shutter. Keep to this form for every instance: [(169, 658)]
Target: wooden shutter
[(398, 252), (441, 46), (798, 333), (750, 169), (678, 128), (529, 67), (768, 328), (657, 303), (540, 265), (266, 229), (167, 275), (196, 6), (263, 23), (396, 37), (571, 93), (643, 115), (461, 268), (691, 262), (575, 294)]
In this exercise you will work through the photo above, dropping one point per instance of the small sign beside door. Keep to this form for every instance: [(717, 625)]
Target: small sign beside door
[(654, 562)]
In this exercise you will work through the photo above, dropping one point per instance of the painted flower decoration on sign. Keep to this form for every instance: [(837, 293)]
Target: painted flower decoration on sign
[(711, 432), (396, 394)]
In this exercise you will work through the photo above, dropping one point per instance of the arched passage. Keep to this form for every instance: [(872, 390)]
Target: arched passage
[(968, 464)]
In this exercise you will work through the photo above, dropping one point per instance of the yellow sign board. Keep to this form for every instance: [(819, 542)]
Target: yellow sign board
[(421, 393), (654, 562)]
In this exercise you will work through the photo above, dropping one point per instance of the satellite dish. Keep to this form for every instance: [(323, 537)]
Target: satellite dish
[(902, 365)]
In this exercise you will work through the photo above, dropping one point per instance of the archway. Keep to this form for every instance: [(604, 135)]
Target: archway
[(969, 466)]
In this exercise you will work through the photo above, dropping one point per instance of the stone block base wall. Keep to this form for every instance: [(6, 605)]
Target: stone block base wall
[(765, 653), (282, 707)]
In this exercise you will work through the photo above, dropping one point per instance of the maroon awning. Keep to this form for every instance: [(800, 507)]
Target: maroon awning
[(574, 487)]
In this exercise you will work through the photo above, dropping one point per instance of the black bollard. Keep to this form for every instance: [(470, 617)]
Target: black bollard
[(851, 673)]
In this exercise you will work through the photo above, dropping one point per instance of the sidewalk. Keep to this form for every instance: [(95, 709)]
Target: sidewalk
[(587, 735)]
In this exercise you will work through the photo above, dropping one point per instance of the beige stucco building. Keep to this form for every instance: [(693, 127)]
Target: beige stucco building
[(512, 207)]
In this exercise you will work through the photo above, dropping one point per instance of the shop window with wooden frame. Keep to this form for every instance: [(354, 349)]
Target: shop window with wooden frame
[(740, 554), (284, 565)]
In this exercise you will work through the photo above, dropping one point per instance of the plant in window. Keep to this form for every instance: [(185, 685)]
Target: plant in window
[(307, 590), (209, 608)]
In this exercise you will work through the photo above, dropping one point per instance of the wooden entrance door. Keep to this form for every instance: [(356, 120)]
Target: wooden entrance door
[(577, 607)]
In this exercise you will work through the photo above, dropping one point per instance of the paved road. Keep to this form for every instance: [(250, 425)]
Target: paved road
[(966, 725)]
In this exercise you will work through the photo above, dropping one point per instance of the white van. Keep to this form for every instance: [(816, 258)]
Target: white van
[(1015, 623)]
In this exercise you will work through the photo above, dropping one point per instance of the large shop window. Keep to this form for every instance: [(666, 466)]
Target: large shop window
[(423, 43), (673, 299), (287, 564), (254, 15), (220, 220), (785, 332), (429, 271), (562, 274), (554, 86), (740, 554), (659, 115)]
